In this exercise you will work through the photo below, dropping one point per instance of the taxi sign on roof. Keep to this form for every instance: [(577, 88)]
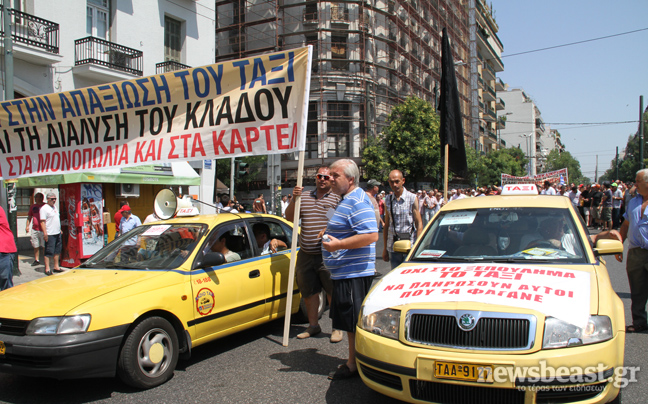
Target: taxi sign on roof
[(519, 189)]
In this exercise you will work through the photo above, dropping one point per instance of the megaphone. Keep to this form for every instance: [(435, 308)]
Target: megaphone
[(167, 205)]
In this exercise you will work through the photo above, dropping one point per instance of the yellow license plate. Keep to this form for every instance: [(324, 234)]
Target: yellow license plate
[(463, 371), (3, 349)]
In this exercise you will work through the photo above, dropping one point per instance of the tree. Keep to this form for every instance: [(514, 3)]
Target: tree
[(255, 165), (487, 169), (409, 143), (557, 160)]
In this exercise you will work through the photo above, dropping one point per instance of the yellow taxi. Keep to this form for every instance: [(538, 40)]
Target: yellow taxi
[(504, 299), (149, 298)]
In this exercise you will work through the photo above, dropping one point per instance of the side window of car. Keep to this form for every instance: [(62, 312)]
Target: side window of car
[(266, 233), (231, 240)]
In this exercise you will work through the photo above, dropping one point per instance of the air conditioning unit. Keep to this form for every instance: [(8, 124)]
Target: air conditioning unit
[(127, 190)]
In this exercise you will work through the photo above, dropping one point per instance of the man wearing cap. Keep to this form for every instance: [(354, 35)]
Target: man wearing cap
[(51, 227), (606, 207), (128, 221), (617, 200)]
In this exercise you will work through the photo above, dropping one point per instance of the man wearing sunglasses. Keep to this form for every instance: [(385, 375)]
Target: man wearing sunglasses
[(312, 276), (51, 226)]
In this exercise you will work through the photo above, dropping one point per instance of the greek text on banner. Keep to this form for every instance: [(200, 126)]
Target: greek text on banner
[(545, 289), (242, 107)]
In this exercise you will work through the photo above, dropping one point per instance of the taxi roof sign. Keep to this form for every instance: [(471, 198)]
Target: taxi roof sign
[(519, 189)]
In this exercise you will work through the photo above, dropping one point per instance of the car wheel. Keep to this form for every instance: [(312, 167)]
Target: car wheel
[(617, 400), (149, 355), (302, 315)]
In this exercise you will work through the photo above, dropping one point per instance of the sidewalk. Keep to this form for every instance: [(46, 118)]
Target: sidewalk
[(27, 271)]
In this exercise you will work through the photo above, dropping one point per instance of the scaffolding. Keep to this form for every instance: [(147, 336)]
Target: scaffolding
[(368, 56)]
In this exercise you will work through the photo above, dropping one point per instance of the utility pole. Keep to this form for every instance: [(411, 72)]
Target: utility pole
[(616, 163), (232, 169), (641, 133), (596, 171)]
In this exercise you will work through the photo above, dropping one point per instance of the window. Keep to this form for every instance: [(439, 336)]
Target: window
[(97, 18), (172, 40), (23, 200), (339, 52), (338, 129), (268, 232), (230, 240), (310, 12)]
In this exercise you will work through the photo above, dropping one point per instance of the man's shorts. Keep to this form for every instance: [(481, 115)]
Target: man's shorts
[(37, 239), (606, 215), (53, 245), (312, 275), (596, 213), (348, 295)]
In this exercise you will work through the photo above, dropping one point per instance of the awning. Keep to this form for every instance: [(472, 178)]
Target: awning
[(179, 173)]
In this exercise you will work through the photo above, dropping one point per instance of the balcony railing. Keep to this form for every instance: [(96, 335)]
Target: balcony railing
[(32, 30), (96, 51), (169, 66)]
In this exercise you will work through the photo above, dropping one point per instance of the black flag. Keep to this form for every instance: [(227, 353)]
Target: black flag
[(451, 132)]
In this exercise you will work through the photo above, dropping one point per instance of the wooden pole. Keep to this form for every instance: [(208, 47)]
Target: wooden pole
[(445, 173), (293, 252)]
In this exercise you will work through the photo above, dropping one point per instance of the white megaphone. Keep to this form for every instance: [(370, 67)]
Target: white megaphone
[(168, 205)]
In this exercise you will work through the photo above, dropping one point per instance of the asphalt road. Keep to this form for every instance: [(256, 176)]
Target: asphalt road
[(253, 367)]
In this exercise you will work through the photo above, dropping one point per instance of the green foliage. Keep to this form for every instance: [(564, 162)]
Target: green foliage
[(409, 143), (487, 169), (629, 163), (254, 167), (557, 160)]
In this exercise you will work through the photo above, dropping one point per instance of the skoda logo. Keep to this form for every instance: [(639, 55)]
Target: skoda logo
[(467, 322)]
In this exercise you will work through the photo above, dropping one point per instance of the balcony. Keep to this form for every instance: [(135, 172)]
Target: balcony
[(499, 85), (501, 123), (339, 14), (35, 39), (169, 66), (106, 61), (500, 104)]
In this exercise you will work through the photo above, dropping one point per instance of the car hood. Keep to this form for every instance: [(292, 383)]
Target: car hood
[(58, 294), (547, 289)]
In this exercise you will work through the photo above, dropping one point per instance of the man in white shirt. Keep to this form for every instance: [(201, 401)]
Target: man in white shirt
[(284, 205), (51, 227), (547, 189)]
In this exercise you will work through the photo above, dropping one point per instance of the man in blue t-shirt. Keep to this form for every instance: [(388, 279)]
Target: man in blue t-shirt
[(349, 253)]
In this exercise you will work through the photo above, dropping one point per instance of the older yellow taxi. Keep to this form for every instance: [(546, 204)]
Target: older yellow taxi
[(504, 299), (149, 298)]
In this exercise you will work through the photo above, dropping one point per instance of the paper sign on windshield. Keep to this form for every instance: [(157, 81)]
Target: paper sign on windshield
[(156, 230), (548, 290), (462, 217)]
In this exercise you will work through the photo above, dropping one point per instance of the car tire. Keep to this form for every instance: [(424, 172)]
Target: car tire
[(302, 315), (149, 355), (617, 400)]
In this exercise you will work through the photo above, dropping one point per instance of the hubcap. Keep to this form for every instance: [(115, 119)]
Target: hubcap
[(154, 352)]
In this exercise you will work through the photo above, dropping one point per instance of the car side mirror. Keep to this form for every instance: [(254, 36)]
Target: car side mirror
[(402, 246), (211, 259), (608, 247)]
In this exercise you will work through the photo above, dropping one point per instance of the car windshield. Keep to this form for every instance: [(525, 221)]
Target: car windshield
[(160, 246), (502, 235)]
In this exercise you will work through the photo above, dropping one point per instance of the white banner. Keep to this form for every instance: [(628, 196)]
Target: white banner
[(548, 290), (252, 106)]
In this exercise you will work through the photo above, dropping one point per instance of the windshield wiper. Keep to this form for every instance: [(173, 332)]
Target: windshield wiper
[(449, 259)]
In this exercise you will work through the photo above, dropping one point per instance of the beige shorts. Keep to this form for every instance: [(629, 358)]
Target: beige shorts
[(37, 239)]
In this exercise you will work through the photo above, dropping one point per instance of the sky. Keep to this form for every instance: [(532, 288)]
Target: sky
[(592, 82)]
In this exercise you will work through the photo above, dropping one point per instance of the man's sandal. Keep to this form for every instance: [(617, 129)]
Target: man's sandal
[(636, 328)]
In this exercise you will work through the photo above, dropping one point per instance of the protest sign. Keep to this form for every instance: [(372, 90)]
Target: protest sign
[(548, 290), (252, 106)]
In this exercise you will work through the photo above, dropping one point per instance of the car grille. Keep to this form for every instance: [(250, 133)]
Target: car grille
[(493, 330), (457, 393), (569, 394), (386, 379), (13, 327)]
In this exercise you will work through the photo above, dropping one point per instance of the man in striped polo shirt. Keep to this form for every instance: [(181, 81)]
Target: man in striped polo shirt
[(402, 218), (311, 273), (349, 252)]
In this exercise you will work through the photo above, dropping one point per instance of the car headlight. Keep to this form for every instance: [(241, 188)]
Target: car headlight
[(59, 325), (559, 334), (384, 322)]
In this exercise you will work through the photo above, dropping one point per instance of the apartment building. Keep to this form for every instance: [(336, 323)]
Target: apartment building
[(525, 128), (65, 45)]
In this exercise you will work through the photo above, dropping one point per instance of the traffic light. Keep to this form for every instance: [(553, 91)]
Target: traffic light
[(240, 169)]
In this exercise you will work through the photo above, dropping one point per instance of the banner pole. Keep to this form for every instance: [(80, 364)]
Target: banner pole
[(293, 252), (445, 173)]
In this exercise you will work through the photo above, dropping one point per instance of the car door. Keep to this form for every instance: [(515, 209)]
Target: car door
[(275, 266), (231, 296)]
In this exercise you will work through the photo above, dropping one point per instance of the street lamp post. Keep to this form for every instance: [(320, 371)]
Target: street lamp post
[(527, 138)]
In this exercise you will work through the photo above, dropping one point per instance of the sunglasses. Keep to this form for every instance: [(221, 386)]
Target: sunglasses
[(323, 177), (52, 199)]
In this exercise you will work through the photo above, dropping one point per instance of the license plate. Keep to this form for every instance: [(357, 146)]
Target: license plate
[(463, 371), (3, 349)]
